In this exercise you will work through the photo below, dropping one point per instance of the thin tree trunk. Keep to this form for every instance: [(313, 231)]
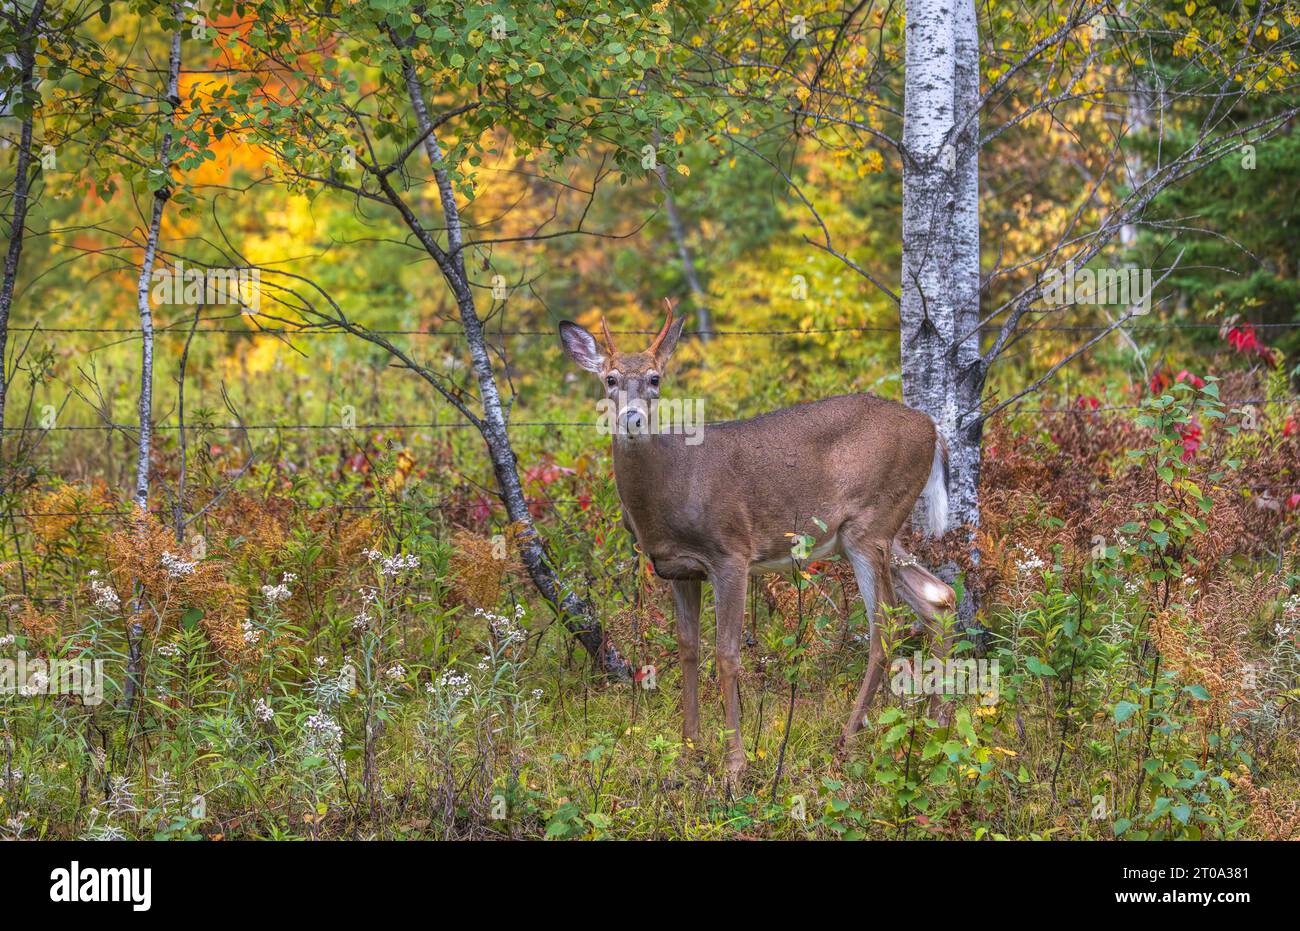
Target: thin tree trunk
[(699, 297), (579, 617), (145, 441), (964, 447), (22, 188)]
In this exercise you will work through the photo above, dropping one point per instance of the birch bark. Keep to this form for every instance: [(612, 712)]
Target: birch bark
[(134, 629), (928, 306), (22, 190), (939, 310)]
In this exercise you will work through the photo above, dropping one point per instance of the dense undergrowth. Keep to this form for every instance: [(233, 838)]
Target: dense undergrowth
[(341, 645)]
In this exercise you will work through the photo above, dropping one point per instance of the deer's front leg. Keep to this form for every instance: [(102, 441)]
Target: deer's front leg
[(686, 605), (729, 584)]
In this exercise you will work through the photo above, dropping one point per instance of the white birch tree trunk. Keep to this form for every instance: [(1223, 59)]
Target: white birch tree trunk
[(21, 189), (940, 289), (160, 198), (928, 308), (968, 379), (134, 630)]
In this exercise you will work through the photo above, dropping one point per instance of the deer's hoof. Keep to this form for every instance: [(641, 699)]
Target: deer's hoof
[(735, 768), (940, 710), (840, 752)]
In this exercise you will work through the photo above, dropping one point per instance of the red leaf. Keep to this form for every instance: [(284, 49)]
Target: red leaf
[(1195, 381), (1159, 382), (1191, 435)]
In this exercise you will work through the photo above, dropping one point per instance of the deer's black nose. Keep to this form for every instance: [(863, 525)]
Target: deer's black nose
[(634, 422)]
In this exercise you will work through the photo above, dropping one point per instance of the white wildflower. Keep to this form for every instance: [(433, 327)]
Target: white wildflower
[(175, 566), (262, 711), (105, 598), (1029, 561), (392, 566), (456, 684), (35, 684), (275, 593), (323, 731)]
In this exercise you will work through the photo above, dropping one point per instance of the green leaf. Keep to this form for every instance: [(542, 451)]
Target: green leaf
[(1124, 710), (1038, 667)]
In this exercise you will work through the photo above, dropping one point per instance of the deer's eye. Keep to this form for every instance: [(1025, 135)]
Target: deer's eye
[(654, 381), (611, 380)]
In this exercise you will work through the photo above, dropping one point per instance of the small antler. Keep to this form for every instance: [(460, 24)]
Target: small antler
[(609, 341), (654, 347)]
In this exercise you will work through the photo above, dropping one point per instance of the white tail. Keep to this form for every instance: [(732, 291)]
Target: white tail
[(936, 491)]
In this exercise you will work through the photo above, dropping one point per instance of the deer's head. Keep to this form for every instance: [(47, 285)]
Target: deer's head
[(631, 379)]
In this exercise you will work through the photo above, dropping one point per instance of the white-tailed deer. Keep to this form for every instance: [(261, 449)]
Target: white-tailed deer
[(845, 471)]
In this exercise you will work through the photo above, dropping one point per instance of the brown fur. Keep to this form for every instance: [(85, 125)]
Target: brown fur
[(728, 507)]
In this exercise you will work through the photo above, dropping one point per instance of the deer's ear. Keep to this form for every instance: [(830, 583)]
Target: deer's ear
[(670, 339), (581, 346)]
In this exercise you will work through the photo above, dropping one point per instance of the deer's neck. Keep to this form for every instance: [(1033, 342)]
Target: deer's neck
[(640, 466), (649, 474)]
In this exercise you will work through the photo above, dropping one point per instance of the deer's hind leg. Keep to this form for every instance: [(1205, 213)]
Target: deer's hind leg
[(870, 560), (730, 583), (934, 602)]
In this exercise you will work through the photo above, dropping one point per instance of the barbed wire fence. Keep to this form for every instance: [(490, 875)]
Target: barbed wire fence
[(190, 329)]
